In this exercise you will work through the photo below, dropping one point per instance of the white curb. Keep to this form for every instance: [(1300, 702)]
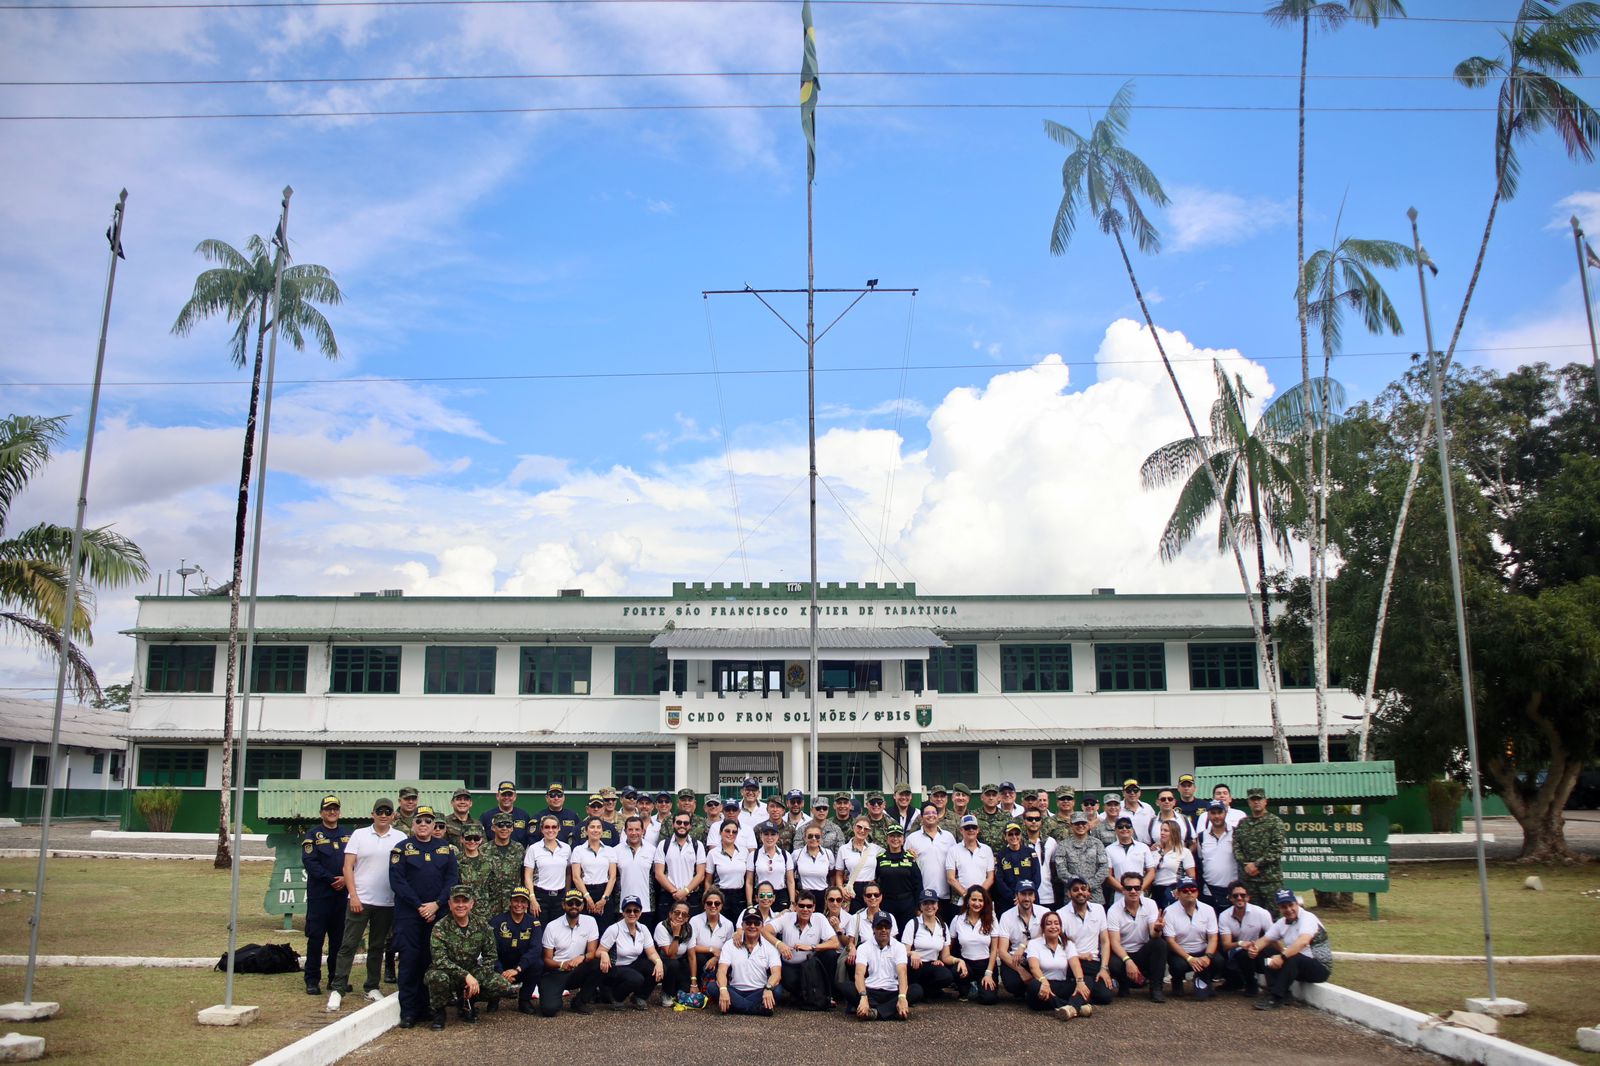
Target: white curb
[(1509, 960), (1439, 838), (68, 853), (117, 834), (333, 1042), (1422, 1030)]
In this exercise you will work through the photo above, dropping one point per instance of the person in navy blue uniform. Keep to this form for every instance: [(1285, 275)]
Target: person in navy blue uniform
[(608, 832), (422, 872), (520, 819), (1013, 864), (555, 798), (322, 853), (519, 940)]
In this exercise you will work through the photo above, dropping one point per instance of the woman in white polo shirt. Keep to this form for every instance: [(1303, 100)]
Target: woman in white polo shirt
[(594, 873), (629, 964), (770, 863), (674, 937), (929, 964), (857, 863), (546, 867), (972, 938), (813, 864), (1057, 982), (727, 865), (712, 929)]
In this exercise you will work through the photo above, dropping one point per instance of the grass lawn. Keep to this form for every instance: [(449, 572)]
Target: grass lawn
[(1559, 998), (148, 1016), (157, 907), (1434, 909)]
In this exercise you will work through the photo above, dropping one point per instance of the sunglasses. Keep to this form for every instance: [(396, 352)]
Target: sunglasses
[(713, 903), (383, 810), (872, 895), (1239, 895), (1033, 819), (813, 838), (805, 906), (766, 895), (1132, 888), (573, 903)]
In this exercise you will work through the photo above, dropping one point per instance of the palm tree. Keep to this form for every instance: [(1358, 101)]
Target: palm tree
[(1327, 15), (1106, 178), (36, 563), (1339, 278), (1251, 465), (240, 290), (1545, 44)]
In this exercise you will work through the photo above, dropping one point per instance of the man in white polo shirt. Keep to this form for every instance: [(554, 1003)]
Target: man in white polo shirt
[(371, 905), (1191, 940), (1083, 922), (1241, 924)]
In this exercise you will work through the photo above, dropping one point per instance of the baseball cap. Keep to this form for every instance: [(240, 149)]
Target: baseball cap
[(1256, 794), (841, 797), (938, 790), (713, 801), (1007, 786), (819, 801), (555, 790), (462, 892), (902, 786), (329, 801), (874, 797), (1080, 818), (596, 801), (1025, 885), (989, 788), (505, 786), (750, 782), (686, 793), (1283, 895), (473, 830), (460, 793), (928, 895), (383, 801), (502, 820), (770, 827), (751, 916), (629, 792), (571, 894), (632, 901), (883, 921), (607, 793), (1066, 792), (1013, 827), (1187, 882), (1111, 797), (408, 793), (424, 813), (1124, 823), (967, 819), (896, 830), (1131, 783), (794, 794), (522, 894), (1076, 880), (1186, 779), (1216, 805)]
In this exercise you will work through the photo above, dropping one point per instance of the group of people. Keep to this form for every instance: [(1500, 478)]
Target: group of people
[(744, 905)]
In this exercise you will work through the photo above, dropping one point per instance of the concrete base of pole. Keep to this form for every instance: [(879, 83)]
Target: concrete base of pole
[(1498, 1007), (235, 1015), (1589, 1039), (37, 1011), (14, 1047)]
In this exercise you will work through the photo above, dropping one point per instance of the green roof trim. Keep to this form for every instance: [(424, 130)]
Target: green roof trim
[(284, 800), (1324, 781)]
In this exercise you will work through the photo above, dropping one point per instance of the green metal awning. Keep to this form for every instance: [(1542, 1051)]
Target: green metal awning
[(285, 800), (1316, 782)]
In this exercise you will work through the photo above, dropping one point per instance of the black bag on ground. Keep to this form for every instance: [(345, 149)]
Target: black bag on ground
[(262, 958), (813, 985)]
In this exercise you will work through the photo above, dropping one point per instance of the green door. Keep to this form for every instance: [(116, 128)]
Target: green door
[(5, 781)]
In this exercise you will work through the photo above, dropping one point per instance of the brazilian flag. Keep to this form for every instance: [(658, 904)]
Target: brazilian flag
[(808, 91)]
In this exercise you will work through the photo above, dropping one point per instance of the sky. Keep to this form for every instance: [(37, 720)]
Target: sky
[(533, 391)]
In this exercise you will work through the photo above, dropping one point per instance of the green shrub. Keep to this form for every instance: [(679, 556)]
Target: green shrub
[(158, 807), (1444, 799)]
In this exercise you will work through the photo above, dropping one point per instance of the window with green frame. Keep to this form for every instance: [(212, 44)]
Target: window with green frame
[(1036, 668), (274, 764), (1222, 666), (180, 668), (1226, 755), (1149, 766), (452, 671), (1055, 762), (1131, 667), (538, 770), (555, 670), (471, 768), (359, 764), (952, 669), (641, 671), (946, 767), (644, 770), (361, 668), (1305, 751), (39, 773), (849, 771), (178, 767), (279, 668)]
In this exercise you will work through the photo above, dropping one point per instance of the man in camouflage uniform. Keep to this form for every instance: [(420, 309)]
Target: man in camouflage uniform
[(877, 819), (1106, 830), (831, 836), (960, 799), (455, 823), (505, 865), (1059, 824), (697, 821), (992, 819), (465, 961), (1082, 854), (1257, 846)]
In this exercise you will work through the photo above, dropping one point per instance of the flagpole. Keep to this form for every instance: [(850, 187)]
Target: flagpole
[(1588, 306), (809, 84), (114, 236)]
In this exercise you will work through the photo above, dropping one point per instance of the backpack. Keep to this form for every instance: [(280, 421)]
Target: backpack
[(262, 958), (813, 985)]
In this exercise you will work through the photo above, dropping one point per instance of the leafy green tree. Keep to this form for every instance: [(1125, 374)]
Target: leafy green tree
[(115, 698), (1101, 175), (239, 289), (36, 563), (1527, 493)]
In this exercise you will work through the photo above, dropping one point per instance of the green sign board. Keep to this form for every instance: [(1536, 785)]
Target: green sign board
[(1336, 852), (286, 891)]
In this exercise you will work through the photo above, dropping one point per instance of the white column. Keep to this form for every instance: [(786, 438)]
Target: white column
[(799, 767), (680, 761), (914, 757)]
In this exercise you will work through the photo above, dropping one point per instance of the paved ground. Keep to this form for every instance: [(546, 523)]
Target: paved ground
[(1223, 1032)]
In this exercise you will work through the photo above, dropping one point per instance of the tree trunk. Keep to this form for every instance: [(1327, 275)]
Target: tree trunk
[(1424, 435), (225, 808), (1541, 815), (1280, 742)]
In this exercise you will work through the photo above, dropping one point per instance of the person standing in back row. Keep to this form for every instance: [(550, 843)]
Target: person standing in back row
[(371, 901), (1258, 845), (322, 853), (422, 871)]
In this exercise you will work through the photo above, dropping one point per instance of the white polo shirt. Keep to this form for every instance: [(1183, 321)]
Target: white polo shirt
[(811, 871), (625, 946), (882, 964), (1217, 865), (771, 867), (568, 942), (1190, 932), (866, 858), (593, 866), (372, 864), (1131, 858), (634, 870), (929, 943), (1053, 962), (786, 927), (970, 866), (969, 940), (744, 839), (1286, 933), (727, 871), (930, 853), (1084, 932), (1043, 851), (707, 937), (859, 926), (1133, 929), (750, 968), (678, 862), (1246, 928), (1018, 932), (550, 867)]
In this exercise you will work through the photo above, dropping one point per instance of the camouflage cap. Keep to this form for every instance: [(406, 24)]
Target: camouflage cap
[(460, 793), (408, 793), (462, 892), (960, 789), (1066, 792), (503, 821), (902, 786), (686, 793), (473, 830), (1257, 793)]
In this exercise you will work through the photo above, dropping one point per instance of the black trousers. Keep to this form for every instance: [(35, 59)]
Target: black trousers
[(411, 935), (549, 904), (930, 979), (1100, 993), (791, 982), (1179, 968), (1301, 967), (1013, 982), (881, 1001), (1151, 960), (636, 978), (324, 922), (584, 980), (972, 989), (1240, 969), (675, 972), (608, 915), (1055, 999)]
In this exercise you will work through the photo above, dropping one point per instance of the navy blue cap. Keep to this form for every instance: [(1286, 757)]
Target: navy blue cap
[(928, 896), (1026, 885)]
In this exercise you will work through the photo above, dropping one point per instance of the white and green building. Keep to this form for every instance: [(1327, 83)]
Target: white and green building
[(711, 684)]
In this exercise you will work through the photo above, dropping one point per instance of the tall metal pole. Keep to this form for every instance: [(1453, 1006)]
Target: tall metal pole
[(281, 239), (114, 235), (1460, 604), (811, 442), (1588, 305)]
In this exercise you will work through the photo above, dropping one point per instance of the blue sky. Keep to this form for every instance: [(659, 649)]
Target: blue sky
[(526, 397)]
